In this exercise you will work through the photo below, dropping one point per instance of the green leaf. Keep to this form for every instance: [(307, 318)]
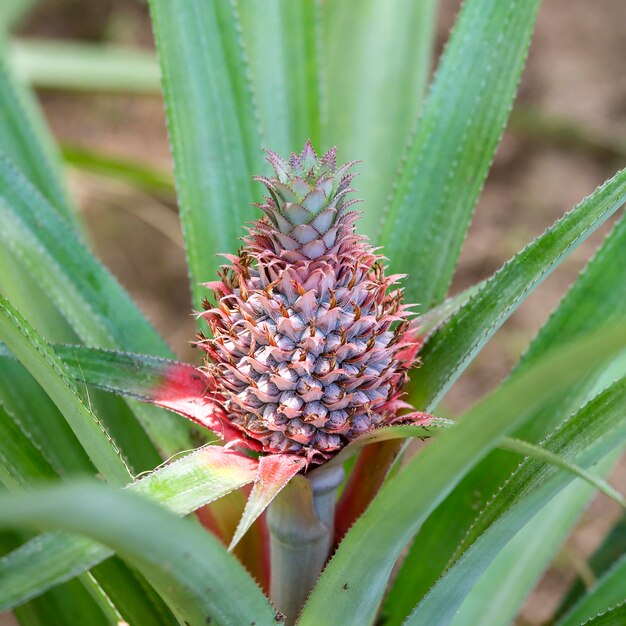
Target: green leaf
[(183, 486), (437, 316), (125, 373), (20, 459), (597, 298), (539, 453), (608, 590), (99, 310), (513, 573), (610, 616), (586, 437), (41, 421), (88, 296), (457, 135), (212, 125), (26, 141), (84, 66), (47, 369), (23, 462), (65, 606), (129, 171), (375, 91), (610, 552), (283, 45), (191, 570), (451, 347), (349, 595)]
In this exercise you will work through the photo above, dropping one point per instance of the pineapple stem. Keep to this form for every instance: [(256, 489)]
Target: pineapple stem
[(301, 524)]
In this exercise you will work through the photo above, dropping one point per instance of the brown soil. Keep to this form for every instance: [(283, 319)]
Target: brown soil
[(574, 70)]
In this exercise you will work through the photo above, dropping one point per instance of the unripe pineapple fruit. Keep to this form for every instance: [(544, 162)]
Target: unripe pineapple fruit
[(310, 341)]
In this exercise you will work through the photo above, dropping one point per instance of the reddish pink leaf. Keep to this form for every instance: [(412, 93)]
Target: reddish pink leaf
[(275, 471), (186, 390)]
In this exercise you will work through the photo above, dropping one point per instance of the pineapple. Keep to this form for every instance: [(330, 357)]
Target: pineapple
[(310, 342)]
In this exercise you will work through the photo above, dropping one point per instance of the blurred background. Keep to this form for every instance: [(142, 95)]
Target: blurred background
[(567, 134)]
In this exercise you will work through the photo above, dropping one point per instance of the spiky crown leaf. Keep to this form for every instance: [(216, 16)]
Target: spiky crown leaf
[(311, 342), (307, 199)]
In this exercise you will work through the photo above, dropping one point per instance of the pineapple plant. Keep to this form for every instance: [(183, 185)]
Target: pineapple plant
[(325, 344)]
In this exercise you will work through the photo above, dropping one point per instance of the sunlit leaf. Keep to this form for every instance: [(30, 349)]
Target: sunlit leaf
[(191, 570), (212, 127), (183, 486), (377, 63)]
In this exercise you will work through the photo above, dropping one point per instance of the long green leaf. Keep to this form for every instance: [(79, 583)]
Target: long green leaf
[(607, 591), (88, 296), (212, 126), (455, 344), (191, 570), (46, 367), (41, 420), (26, 140), (518, 566), (598, 297), (22, 462), (610, 552), (378, 57), (457, 135), (283, 45), (91, 299), (351, 595), (540, 453), (588, 436), (182, 486), (20, 458), (609, 617), (84, 66)]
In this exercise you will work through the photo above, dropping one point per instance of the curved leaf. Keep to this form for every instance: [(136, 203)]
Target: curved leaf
[(48, 370), (191, 570), (609, 617), (183, 486), (610, 552), (350, 595), (519, 565), (457, 135), (586, 437), (451, 347), (607, 591), (597, 298), (88, 296)]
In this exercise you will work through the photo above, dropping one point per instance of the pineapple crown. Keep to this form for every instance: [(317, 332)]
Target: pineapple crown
[(307, 203)]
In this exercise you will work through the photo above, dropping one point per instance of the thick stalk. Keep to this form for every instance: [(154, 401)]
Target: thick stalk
[(301, 525)]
